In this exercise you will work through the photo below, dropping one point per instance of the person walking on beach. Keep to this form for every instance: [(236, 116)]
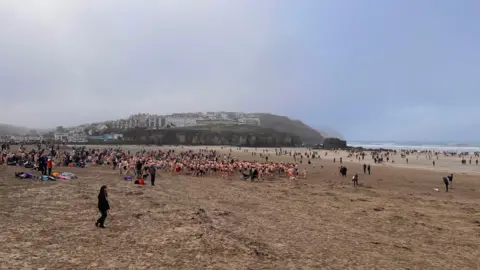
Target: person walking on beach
[(368, 168), (364, 168), (153, 172), (103, 206)]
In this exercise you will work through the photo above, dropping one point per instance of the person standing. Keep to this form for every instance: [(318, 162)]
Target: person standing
[(153, 172), (446, 181), (49, 166), (138, 166), (43, 164), (103, 207), (355, 179)]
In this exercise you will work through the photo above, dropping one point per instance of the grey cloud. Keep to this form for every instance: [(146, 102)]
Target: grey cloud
[(66, 62)]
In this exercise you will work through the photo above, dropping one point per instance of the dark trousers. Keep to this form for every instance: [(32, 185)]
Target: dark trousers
[(44, 169), (446, 182), (152, 179), (102, 218), (49, 171)]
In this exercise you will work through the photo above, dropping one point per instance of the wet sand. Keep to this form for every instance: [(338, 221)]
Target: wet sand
[(394, 220)]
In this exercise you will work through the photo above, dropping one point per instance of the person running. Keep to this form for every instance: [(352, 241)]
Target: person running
[(103, 206)]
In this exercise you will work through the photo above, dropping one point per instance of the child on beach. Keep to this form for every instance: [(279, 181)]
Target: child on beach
[(103, 206), (355, 179)]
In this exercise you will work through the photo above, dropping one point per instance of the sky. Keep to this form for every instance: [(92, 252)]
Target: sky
[(399, 70)]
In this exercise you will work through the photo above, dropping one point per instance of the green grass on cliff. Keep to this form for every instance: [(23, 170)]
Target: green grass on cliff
[(285, 124), (270, 123)]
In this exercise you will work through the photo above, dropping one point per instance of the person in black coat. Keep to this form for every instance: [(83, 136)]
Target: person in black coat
[(103, 206), (446, 181), (153, 172)]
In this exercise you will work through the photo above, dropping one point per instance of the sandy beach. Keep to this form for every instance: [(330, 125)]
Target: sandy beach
[(395, 219), (446, 164)]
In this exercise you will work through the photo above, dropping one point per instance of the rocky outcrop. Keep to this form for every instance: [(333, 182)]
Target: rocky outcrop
[(334, 143), (279, 123), (238, 136)]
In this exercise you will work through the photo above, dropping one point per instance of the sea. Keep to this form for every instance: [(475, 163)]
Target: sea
[(437, 146)]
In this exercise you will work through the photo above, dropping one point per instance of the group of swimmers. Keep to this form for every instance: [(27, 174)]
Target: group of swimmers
[(202, 162)]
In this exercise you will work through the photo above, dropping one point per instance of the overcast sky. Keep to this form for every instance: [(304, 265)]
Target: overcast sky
[(371, 69)]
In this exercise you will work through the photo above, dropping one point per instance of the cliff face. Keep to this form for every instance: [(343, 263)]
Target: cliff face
[(334, 143), (175, 136), (279, 123)]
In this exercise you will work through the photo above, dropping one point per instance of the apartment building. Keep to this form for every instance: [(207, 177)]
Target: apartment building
[(155, 121), (252, 121), (181, 120), (152, 121)]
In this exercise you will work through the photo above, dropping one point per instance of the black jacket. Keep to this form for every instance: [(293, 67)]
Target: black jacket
[(103, 203)]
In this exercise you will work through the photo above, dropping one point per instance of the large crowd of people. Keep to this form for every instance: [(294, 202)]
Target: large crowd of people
[(143, 164)]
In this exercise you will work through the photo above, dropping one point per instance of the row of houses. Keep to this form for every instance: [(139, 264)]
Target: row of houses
[(152, 121), (81, 138), (21, 138)]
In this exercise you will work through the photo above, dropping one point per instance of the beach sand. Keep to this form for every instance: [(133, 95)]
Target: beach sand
[(394, 220)]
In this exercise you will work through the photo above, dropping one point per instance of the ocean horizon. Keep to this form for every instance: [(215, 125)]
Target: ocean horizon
[(459, 147)]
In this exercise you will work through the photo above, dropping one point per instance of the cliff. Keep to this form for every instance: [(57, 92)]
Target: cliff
[(247, 136), (334, 143), (6, 129), (328, 132), (279, 123)]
